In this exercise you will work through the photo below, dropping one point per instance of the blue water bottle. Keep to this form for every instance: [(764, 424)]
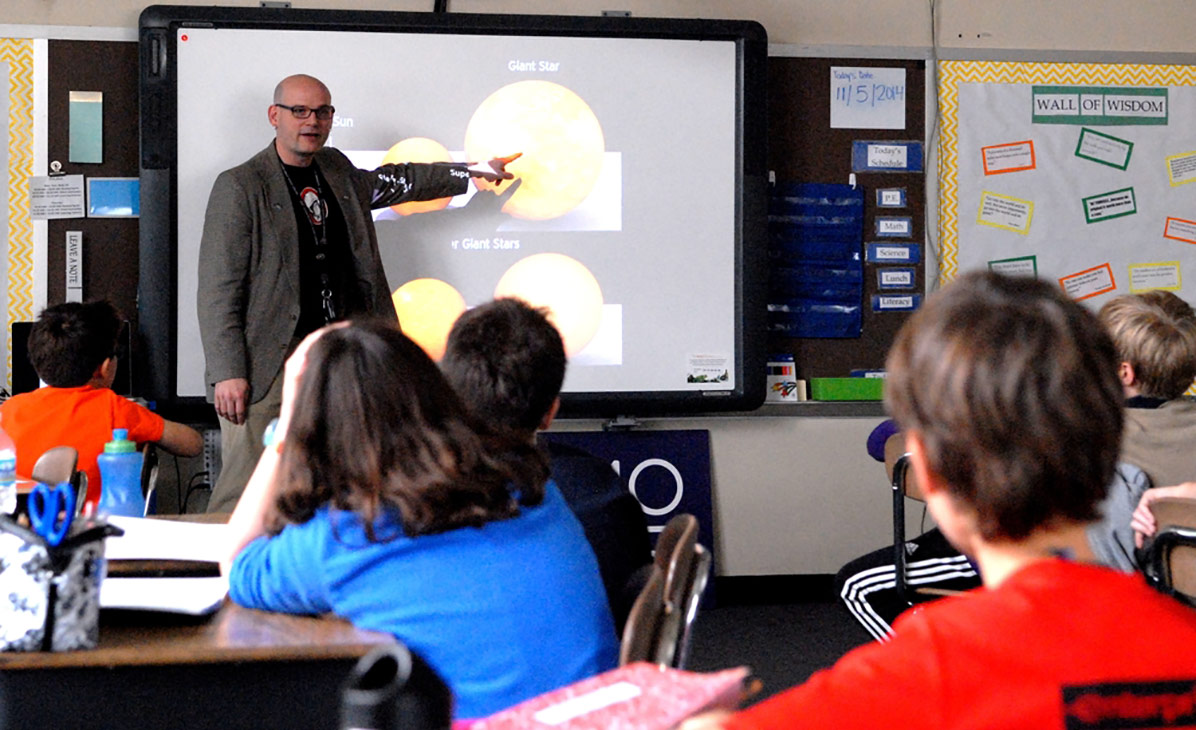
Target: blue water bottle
[(120, 477), (8, 474)]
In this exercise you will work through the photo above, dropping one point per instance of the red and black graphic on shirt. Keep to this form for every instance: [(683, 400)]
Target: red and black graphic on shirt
[(317, 209), (1141, 705)]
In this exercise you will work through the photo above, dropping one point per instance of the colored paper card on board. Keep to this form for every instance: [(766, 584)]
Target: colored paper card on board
[(86, 127), (896, 302), (894, 226), (1005, 211), (1009, 157), (113, 197), (896, 277), (1179, 229), (1104, 148), (1110, 205), (1158, 275), (1181, 168), (890, 198), (1017, 266), (1089, 282), (894, 253), (886, 156)]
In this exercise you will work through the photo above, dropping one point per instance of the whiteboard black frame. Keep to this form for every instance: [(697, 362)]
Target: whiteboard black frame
[(157, 289)]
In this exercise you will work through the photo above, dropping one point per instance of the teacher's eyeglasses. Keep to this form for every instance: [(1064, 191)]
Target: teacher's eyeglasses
[(303, 112)]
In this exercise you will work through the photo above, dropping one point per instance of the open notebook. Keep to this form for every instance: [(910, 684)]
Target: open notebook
[(186, 578)]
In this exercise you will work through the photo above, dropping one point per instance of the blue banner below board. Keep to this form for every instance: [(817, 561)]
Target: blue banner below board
[(667, 471)]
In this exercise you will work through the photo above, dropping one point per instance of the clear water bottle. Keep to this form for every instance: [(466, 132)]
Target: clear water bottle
[(8, 474), (120, 477)]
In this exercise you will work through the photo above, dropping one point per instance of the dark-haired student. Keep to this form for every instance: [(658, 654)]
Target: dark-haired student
[(1007, 392), (1154, 334), (381, 500), (507, 362), (72, 346)]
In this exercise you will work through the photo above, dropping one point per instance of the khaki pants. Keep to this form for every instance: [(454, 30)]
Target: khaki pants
[(241, 447)]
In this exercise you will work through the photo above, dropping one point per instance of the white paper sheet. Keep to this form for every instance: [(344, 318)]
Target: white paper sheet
[(193, 596), (150, 539)]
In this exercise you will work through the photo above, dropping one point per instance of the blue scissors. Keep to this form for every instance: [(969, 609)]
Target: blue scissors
[(51, 511)]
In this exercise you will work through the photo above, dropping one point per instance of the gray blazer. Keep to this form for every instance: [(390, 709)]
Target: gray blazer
[(248, 297)]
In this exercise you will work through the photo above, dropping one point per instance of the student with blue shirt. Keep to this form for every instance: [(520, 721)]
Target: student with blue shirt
[(382, 501)]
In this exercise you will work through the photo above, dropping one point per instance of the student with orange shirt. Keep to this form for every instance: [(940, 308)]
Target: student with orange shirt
[(1008, 394), (72, 347)]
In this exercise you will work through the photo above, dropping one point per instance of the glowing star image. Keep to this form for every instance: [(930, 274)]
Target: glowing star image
[(427, 309), (562, 285), (418, 149), (559, 136)]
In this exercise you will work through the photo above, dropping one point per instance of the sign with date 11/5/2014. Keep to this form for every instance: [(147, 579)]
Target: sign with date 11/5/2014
[(862, 87)]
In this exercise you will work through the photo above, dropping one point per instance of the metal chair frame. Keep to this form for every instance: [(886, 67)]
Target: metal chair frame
[(658, 625)]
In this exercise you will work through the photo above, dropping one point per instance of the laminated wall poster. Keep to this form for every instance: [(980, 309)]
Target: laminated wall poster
[(1078, 173)]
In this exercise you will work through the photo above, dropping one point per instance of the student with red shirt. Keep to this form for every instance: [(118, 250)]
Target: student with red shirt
[(1008, 394), (72, 347)]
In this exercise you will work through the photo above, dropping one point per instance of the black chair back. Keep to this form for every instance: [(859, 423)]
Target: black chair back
[(392, 688)]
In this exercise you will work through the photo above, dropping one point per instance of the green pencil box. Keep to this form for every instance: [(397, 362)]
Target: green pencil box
[(847, 388)]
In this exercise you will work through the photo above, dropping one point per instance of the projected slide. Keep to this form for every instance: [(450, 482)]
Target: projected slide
[(621, 218), (560, 173)]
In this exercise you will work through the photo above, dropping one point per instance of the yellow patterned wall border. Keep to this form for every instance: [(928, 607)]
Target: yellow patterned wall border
[(17, 55), (954, 73)]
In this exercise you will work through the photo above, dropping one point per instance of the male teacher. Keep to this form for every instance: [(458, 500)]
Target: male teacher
[(288, 246)]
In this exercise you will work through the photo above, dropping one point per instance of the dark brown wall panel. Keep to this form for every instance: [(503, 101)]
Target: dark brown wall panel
[(109, 244), (804, 148)]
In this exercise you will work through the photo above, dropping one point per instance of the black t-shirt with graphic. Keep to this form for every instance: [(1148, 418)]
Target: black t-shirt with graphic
[(318, 214)]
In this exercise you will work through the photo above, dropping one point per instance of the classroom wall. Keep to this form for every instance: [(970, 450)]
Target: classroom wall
[(1159, 26), (796, 495)]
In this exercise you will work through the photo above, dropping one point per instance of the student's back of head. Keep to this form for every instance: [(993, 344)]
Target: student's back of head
[(1013, 388), (1155, 332), (375, 424), (507, 361), (70, 341)]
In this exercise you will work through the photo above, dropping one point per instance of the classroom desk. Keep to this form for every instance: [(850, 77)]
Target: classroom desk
[(239, 668)]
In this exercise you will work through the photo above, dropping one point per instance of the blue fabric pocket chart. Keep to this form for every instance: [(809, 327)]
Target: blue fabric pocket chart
[(816, 286)]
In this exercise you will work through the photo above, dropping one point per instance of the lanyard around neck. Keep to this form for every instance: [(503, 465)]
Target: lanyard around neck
[(320, 234)]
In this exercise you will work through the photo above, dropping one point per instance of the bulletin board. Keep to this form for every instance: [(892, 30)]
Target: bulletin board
[(16, 165), (110, 263), (804, 147), (1072, 172)]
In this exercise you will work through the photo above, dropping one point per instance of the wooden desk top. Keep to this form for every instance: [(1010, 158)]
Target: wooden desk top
[(233, 634), (211, 518)]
